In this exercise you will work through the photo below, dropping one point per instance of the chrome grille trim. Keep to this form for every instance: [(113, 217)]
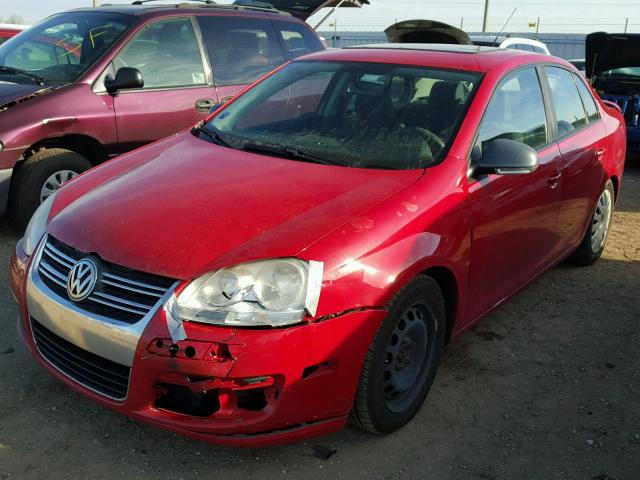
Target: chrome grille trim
[(59, 256), (117, 296), (53, 274), (122, 282)]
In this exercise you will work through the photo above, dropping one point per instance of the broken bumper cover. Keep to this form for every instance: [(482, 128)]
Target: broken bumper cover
[(241, 387)]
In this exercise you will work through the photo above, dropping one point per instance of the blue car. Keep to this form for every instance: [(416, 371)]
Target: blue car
[(613, 67)]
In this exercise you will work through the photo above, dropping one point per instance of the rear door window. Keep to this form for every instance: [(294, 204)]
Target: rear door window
[(516, 111), (167, 55), (587, 99), (297, 39), (241, 49), (570, 113)]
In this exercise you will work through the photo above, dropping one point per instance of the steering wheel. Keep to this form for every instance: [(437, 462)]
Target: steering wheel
[(430, 137)]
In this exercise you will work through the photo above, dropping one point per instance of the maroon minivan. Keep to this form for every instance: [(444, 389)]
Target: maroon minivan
[(88, 84)]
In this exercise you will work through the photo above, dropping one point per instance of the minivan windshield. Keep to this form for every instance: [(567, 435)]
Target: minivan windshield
[(352, 114), (61, 48)]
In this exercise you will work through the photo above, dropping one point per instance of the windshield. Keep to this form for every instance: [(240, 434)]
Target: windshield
[(626, 71), (350, 114), (61, 48)]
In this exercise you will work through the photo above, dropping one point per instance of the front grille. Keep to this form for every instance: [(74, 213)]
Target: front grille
[(97, 373), (120, 293)]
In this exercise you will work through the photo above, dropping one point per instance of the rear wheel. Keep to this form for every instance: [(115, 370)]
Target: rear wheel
[(595, 238), (39, 177), (402, 360)]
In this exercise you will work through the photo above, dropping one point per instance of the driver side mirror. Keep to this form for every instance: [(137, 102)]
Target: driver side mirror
[(504, 157), (126, 78)]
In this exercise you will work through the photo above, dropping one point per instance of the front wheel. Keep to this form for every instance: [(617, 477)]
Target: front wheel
[(595, 238), (39, 177), (402, 360)]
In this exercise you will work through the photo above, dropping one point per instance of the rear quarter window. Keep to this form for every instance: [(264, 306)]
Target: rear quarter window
[(296, 39)]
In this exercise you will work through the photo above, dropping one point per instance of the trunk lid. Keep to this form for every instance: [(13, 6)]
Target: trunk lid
[(426, 31)]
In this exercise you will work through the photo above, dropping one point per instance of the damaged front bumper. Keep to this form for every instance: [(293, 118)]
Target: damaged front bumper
[(242, 387)]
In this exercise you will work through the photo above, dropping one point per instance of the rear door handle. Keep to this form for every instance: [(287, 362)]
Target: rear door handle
[(204, 105), (554, 179), (600, 153)]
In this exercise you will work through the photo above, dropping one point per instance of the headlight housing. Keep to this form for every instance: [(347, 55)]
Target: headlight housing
[(36, 228), (266, 293)]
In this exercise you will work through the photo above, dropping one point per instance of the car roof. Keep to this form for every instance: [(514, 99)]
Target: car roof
[(148, 10), (458, 57)]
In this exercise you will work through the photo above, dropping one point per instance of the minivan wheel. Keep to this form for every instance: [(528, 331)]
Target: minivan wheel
[(595, 238), (39, 177), (402, 359)]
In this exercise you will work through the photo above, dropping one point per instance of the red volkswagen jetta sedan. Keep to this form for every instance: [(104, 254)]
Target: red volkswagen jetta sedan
[(302, 257)]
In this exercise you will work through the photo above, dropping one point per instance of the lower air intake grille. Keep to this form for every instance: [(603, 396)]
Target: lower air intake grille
[(97, 373)]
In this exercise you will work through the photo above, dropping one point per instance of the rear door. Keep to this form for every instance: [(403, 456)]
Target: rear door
[(241, 49), (514, 217), (582, 142), (176, 76)]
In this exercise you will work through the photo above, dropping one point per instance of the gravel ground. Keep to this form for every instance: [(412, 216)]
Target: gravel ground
[(547, 387)]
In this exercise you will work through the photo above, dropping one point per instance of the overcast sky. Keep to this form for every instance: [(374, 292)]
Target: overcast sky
[(555, 15)]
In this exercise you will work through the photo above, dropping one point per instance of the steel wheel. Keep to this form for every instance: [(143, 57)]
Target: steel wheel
[(405, 358), (601, 220), (54, 182)]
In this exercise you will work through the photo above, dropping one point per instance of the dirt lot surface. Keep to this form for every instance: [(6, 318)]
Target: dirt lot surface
[(548, 387)]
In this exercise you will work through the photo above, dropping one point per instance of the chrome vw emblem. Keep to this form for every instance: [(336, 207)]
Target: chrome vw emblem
[(82, 279)]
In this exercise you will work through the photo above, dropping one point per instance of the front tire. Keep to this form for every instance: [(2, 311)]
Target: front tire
[(402, 359), (39, 176), (595, 238)]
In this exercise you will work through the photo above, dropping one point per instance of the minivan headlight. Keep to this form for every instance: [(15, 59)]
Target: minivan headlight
[(265, 293), (36, 227)]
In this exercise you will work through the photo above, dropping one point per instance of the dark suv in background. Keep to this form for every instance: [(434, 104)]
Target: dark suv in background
[(86, 85)]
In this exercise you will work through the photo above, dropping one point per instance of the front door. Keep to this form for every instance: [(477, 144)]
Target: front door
[(169, 56), (514, 217)]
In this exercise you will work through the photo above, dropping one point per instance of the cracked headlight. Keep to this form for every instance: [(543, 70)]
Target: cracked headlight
[(36, 228), (265, 293)]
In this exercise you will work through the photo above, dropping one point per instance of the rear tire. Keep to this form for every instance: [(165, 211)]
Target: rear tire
[(52, 166), (402, 359), (595, 238)]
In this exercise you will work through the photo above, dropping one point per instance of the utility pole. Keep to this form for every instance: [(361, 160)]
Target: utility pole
[(335, 31), (461, 22), (95, 3), (626, 24), (537, 27), (486, 15)]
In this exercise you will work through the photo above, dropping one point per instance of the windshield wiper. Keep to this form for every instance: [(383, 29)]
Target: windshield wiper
[(17, 71), (213, 135), (286, 152)]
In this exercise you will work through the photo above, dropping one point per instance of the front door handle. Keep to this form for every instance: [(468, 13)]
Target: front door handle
[(204, 105), (600, 153), (554, 180)]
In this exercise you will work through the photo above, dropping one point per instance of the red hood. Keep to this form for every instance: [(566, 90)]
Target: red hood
[(183, 207)]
